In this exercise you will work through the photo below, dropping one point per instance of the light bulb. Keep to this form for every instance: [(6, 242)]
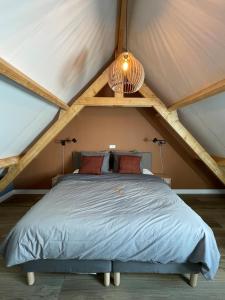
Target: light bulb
[(125, 65)]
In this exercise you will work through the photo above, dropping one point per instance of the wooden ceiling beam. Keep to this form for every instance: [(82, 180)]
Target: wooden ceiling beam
[(115, 101), (121, 31), (172, 119), (53, 131), (211, 90), (12, 73), (9, 161)]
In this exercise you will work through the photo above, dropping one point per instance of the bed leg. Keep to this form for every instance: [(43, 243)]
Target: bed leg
[(116, 278), (106, 279), (193, 280), (30, 278)]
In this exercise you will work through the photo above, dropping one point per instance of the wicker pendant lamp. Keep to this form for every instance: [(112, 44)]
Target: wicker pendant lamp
[(126, 73)]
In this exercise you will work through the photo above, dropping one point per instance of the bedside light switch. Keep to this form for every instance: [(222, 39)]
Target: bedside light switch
[(112, 146)]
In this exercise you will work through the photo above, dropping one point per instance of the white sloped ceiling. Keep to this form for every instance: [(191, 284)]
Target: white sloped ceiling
[(181, 44), (206, 121), (23, 116), (60, 44)]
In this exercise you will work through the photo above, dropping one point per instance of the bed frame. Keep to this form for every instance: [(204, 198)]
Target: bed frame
[(107, 267)]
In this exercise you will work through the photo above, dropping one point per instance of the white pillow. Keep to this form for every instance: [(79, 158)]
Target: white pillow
[(147, 172), (76, 171)]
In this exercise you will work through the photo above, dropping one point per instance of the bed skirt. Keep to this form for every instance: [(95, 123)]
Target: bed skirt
[(67, 266), (143, 267)]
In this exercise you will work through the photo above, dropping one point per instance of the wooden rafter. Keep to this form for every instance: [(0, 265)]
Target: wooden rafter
[(211, 90), (11, 72), (172, 119), (53, 131), (9, 161), (115, 101)]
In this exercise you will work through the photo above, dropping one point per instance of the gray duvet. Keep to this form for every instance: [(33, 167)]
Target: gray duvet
[(112, 217)]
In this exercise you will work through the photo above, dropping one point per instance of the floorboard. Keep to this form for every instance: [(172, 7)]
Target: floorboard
[(133, 286)]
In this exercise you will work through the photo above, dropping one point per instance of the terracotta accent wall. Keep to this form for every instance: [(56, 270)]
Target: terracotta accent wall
[(95, 129)]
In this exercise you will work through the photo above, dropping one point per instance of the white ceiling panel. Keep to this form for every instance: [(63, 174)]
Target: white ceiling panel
[(206, 121), (61, 44), (180, 43), (22, 117)]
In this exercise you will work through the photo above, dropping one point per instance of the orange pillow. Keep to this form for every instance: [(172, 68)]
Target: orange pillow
[(129, 164), (91, 164)]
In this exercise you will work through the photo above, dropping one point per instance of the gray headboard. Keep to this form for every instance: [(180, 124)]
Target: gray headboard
[(146, 158)]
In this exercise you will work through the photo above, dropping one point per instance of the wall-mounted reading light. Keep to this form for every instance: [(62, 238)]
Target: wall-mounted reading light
[(63, 143), (66, 141), (160, 143)]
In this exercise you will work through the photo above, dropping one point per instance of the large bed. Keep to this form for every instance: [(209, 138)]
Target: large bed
[(112, 223)]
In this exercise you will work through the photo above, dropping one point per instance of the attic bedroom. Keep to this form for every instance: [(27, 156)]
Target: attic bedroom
[(112, 152)]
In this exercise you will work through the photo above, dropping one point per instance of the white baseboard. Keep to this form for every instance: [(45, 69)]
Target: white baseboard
[(23, 192), (6, 196), (199, 191), (31, 191), (177, 191)]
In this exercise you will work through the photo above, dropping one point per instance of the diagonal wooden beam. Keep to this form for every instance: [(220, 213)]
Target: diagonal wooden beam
[(12, 73), (9, 161), (211, 90), (53, 131), (172, 119), (115, 101)]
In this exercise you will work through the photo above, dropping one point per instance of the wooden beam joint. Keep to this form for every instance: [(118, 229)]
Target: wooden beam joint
[(9, 161)]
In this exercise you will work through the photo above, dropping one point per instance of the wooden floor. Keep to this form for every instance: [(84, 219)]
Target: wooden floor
[(133, 286)]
